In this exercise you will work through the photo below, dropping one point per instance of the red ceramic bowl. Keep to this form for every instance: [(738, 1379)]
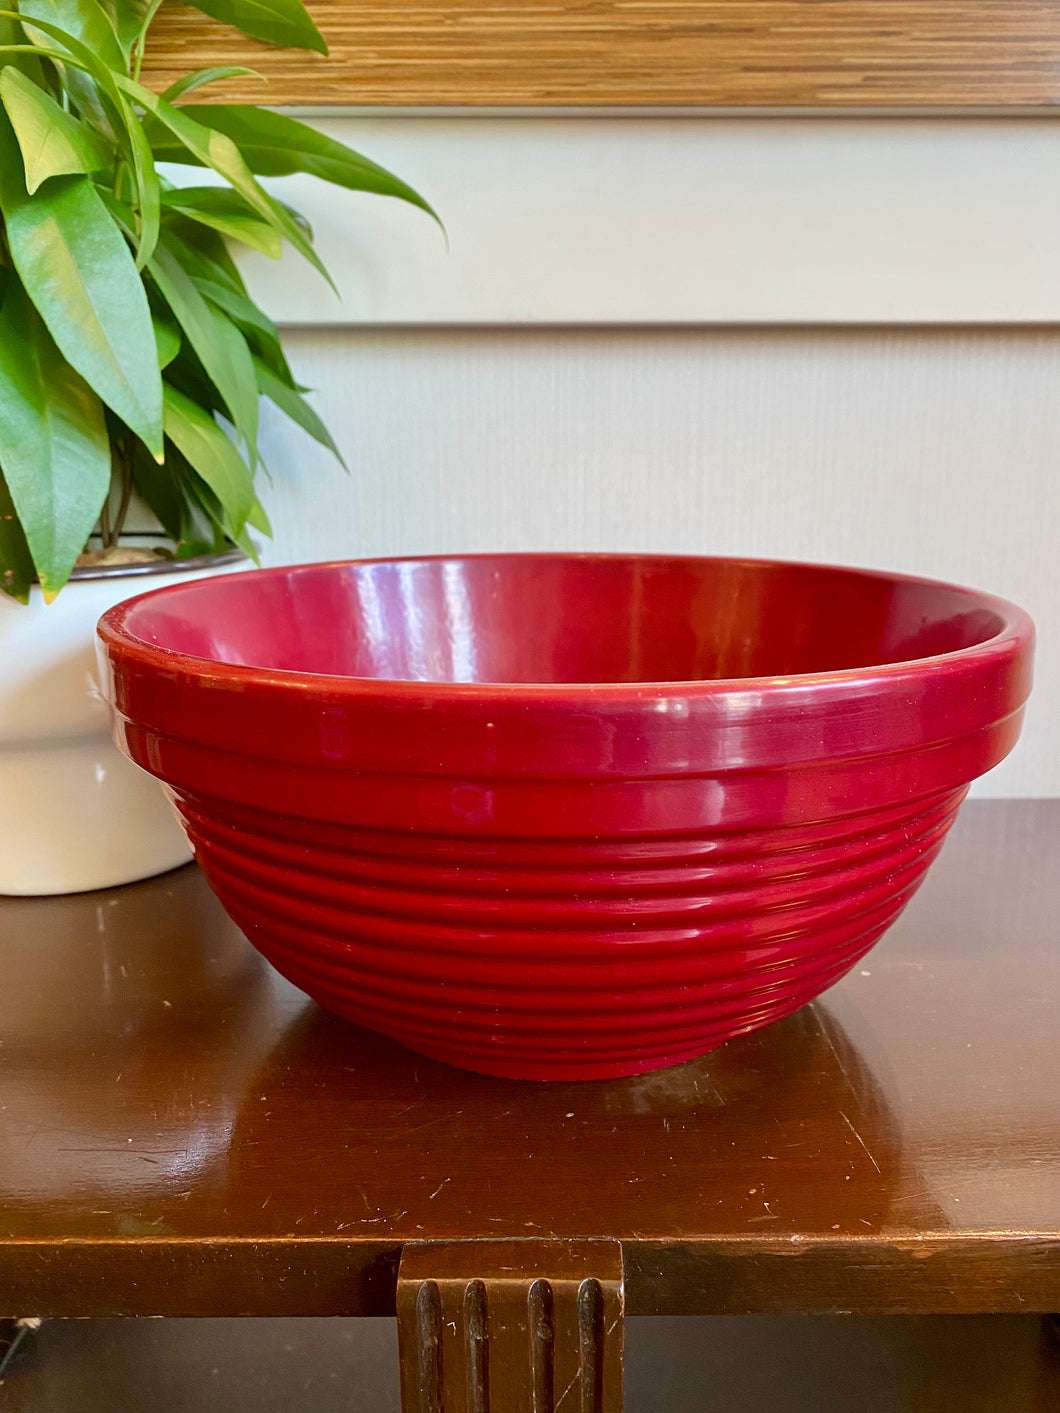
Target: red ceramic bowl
[(565, 816)]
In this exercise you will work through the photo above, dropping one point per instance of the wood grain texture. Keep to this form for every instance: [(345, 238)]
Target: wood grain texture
[(761, 53), (184, 1134)]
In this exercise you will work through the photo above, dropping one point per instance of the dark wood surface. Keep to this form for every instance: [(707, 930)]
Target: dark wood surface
[(182, 1133), (829, 54), (757, 1364)]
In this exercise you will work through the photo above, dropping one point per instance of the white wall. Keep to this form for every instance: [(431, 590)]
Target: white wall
[(688, 220), (932, 450)]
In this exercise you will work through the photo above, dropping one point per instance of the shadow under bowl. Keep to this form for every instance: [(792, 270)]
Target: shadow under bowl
[(565, 816)]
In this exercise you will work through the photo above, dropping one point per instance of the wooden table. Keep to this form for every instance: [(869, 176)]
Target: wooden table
[(182, 1133)]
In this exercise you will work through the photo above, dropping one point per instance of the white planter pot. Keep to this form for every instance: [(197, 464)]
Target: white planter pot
[(77, 814)]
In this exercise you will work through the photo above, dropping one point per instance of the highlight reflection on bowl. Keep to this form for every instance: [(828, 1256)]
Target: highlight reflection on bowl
[(565, 816)]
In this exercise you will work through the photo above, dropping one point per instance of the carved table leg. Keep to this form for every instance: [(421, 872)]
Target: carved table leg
[(511, 1327)]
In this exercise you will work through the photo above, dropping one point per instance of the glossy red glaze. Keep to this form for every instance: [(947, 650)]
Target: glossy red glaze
[(565, 816)]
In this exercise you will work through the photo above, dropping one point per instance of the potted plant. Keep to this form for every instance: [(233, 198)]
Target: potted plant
[(132, 362)]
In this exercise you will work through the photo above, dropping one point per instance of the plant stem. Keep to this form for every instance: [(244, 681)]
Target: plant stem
[(105, 537), (125, 472), (111, 523), (141, 39)]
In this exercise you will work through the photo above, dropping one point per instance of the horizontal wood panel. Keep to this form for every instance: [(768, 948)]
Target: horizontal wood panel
[(683, 220), (760, 53)]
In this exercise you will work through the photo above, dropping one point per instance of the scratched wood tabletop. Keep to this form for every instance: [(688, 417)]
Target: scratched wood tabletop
[(183, 1133), (717, 53)]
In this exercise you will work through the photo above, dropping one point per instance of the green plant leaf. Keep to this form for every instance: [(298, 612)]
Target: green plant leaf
[(202, 252), (198, 437), (86, 101), (274, 145), (17, 573), (260, 332), (126, 16), (84, 97), (85, 21), (85, 75), (54, 446), (214, 149), (101, 100), (204, 531), (52, 141), (286, 23), (221, 348), (12, 35), (201, 77), (173, 493), (77, 270), (300, 219), (188, 376), (295, 406), (225, 211), (148, 189), (167, 340), (159, 488), (258, 520), (206, 516), (88, 34), (247, 545)]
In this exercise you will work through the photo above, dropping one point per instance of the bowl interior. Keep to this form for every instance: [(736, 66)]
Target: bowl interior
[(562, 619)]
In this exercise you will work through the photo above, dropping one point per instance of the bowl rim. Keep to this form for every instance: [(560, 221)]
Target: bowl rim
[(1015, 635)]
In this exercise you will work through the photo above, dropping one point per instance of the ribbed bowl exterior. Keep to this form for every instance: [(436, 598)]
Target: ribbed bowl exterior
[(566, 885), (563, 962)]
